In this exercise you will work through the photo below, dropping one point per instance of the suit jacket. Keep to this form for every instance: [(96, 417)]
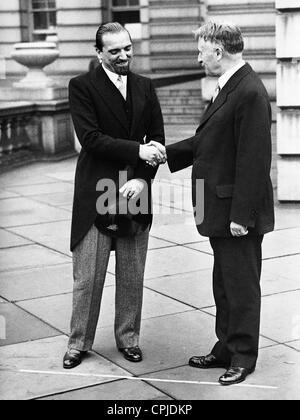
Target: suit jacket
[(109, 143), (231, 151)]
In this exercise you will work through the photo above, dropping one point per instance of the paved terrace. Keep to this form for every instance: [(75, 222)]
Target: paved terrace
[(178, 312)]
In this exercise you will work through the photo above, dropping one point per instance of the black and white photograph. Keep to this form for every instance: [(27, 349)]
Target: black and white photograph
[(149, 203)]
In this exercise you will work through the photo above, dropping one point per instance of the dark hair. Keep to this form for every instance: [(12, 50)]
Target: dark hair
[(108, 28), (226, 34)]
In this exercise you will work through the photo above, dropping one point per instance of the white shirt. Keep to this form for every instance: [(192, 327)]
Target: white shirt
[(229, 73), (114, 77)]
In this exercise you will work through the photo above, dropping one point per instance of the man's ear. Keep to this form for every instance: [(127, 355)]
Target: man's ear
[(219, 52), (99, 55)]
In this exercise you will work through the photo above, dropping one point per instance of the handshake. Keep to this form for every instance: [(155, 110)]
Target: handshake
[(153, 153)]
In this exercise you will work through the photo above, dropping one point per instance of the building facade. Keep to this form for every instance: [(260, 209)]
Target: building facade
[(162, 31)]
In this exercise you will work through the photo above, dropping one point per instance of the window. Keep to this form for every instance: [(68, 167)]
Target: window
[(43, 16), (126, 11)]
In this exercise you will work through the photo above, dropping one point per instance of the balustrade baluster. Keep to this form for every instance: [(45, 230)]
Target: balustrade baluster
[(5, 144), (24, 139)]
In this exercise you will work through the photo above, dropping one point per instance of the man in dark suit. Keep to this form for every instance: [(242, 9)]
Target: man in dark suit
[(231, 151), (115, 114)]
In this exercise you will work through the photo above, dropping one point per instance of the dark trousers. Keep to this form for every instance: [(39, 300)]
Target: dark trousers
[(236, 285)]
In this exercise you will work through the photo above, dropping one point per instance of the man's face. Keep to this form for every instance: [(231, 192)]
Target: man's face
[(209, 57), (117, 52)]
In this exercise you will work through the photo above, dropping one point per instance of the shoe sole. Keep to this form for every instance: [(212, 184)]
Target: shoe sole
[(208, 367), (236, 382), (232, 383), (71, 367), (133, 361)]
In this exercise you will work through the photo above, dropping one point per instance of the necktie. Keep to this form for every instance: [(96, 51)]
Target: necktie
[(121, 86), (216, 92)]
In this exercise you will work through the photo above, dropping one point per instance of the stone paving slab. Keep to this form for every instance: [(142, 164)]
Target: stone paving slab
[(23, 211), (272, 283), (287, 216), (8, 240), (276, 244), (29, 256), (36, 282), (288, 267), (203, 246), (294, 344), (48, 188), (21, 326), (155, 243), (61, 199), (54, 235), (22, 177), (46, 355), (182, 233), (280, 316), (67, 176), (281, 243), (169, 261), (56, 310), (68, 208), (166, 341), (5, 194), (278, 367), (125, 390), (192, 288)]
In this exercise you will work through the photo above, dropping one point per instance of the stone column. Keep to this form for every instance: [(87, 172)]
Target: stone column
[(288, 99)]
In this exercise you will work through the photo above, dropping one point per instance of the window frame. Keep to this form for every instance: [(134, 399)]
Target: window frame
[(127, 8), (39, 32)]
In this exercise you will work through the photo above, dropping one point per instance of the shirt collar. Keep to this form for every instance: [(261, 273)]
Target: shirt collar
[(113, 76), (229, 73)]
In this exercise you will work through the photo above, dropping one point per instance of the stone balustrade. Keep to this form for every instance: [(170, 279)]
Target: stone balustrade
[(15, 119), (44, 127)]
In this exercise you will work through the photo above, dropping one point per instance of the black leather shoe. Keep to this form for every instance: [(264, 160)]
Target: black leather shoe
[(133, 354), (73, 358), (235, 375), (206, 362)]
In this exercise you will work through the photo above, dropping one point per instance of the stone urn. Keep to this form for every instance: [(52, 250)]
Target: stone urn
[(35, 56)]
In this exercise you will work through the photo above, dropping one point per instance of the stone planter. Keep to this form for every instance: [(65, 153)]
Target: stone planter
[(35, 56)]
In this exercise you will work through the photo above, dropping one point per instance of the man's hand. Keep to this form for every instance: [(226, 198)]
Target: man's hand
[(132, 189), (162, 150), (238, 230), (150, 154)]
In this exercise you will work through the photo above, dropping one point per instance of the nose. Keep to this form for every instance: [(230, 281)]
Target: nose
[(123, 55)]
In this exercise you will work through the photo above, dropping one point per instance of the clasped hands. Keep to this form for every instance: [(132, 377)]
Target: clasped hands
[(153, 153)]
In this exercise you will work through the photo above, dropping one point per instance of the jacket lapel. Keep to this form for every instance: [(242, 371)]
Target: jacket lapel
[(109, 94), (138, 100), (222, 97)]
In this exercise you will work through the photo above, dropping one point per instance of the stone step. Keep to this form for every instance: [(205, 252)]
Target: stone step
[(164, 93), (181, 100), (182, 119), (182, 110)]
